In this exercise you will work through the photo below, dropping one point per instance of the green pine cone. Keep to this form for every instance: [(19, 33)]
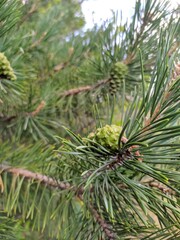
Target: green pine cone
[(107, 136), (117, 74), (6, 70)]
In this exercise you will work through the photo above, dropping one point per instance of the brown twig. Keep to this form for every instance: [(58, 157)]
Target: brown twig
[(107, 229), (60, 66), (33, 113), (153, 184), (176, 72), (38, 109), (161, 187), (7, 119), (35, 176), (37, 42), (153, 117), (75, 91), (87, 88), (174, 47), (31, 11), (167, 93), (131, 55)]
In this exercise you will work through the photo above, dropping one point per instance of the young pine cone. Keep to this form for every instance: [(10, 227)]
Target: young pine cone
[(107, 136), (117, 74)]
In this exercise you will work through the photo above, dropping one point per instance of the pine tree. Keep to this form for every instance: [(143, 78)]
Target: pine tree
[(89, 123)]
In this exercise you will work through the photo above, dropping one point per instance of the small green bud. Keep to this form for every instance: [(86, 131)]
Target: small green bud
[(6, 70)]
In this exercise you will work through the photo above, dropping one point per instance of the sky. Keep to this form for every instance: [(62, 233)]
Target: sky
[(97, 11)]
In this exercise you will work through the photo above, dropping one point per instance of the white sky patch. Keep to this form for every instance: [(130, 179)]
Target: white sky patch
[(97, 11)]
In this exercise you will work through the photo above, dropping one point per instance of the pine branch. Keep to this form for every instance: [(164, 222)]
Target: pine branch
[(75, 91), (38, 109), (7, 119), (144, 20), (107, 228), (88, 88), (174, 48), (161, 188), (48, 181), (167, 94), (32, 10), (106, 192), (153, 184), (38, 42), (33, 113)]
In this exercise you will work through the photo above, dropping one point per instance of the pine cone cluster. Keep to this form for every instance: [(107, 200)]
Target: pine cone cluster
[(107, 136), (6, 70), (117, 74)]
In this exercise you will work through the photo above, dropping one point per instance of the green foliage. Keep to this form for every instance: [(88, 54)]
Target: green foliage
[(9, 228), (7, 19), (89, 145)]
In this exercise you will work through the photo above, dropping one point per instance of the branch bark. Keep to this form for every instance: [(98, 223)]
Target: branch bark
[(33, 113), (51, 182), (87, 88), (107, 228)]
